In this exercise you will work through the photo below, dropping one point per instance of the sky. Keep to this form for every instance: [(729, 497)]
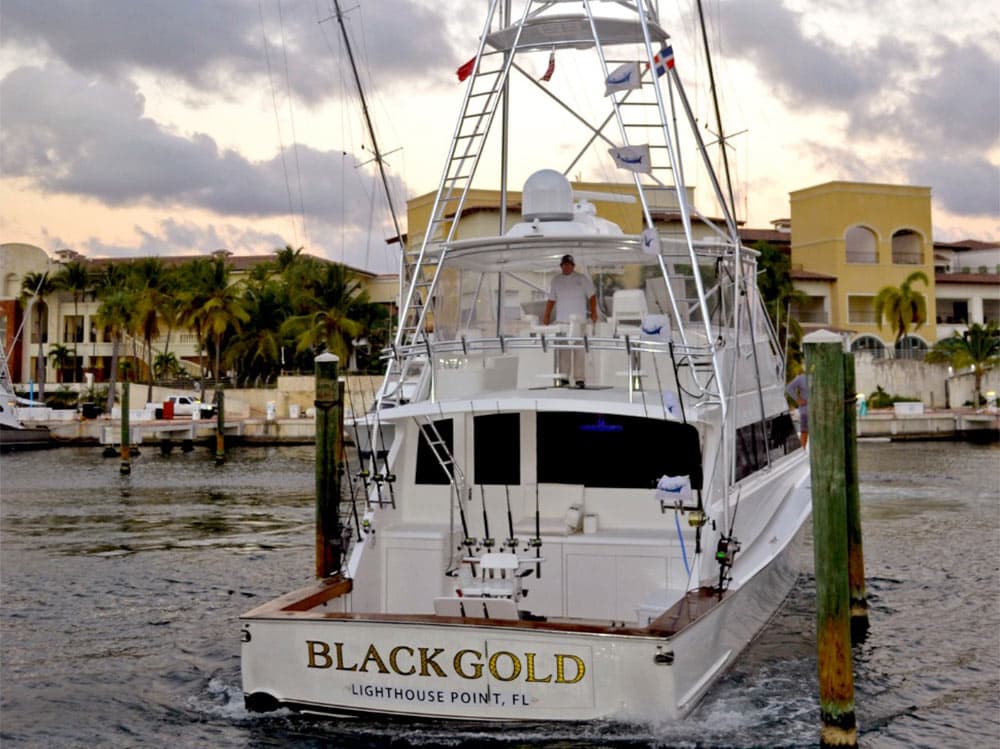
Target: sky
[(132, 128)]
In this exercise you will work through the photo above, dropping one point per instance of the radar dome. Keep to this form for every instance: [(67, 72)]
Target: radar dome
[(547, 196)]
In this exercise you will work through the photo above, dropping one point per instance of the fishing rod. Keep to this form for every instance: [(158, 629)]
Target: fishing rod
[(350, 482), (363, 473), (369, 454), (386, 476), (488, 541), (511, 542), (537, 540)]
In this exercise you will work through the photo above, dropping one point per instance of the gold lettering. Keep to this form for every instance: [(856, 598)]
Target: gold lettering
[(530, 660), (477, 667), (515, 666), (319, 650), (340, 658), (395, 665), (428, 661), (581, 669), (373, 656)]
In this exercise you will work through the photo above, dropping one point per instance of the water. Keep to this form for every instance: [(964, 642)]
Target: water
[(119, 600)]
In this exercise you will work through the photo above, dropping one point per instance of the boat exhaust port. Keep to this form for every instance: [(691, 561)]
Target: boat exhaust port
[(662, 657), (261, 702), (245, 635)]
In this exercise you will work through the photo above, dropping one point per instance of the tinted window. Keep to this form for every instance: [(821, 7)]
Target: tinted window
[(429, 470), (497, 439), (601, 450)]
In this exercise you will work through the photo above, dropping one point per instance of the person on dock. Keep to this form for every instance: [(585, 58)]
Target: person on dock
[(571, 294), (798, 391)]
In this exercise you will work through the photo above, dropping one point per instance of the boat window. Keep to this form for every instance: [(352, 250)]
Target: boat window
[(429, 469), (612, 451), (752, 450), (497, 449)]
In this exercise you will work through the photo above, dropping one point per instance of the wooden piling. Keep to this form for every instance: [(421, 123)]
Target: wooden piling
[(825, 369), (220, 425), (126, 465), (328, 404), (855, 547)]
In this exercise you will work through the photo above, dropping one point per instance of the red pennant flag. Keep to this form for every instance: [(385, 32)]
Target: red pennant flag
[(465, 70), (547, 75)]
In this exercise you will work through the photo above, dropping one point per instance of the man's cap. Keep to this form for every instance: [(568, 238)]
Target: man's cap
[(567, 259)]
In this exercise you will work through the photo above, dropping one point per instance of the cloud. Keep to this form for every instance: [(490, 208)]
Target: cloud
[(917, 104), (218, 47), (55, 136), (965, 185)]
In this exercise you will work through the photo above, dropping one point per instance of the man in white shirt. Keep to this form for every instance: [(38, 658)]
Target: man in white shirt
[(571, 294)]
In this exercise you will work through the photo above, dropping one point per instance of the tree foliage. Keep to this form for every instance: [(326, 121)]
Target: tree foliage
[(978, 349), (902, 307)]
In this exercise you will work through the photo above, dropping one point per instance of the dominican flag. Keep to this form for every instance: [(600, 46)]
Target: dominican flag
[(547, 75), (663, 59), (633, 158), (623, 78), (465, 70)]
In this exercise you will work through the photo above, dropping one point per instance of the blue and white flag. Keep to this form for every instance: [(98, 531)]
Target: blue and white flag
[(633, 158), (663, 59), (623, 78)]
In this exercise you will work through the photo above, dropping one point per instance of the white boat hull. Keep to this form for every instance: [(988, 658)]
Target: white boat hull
[(323, 660)]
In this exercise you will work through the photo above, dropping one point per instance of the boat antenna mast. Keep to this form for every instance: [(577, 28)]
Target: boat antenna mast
[(718, 114), (377, 155)]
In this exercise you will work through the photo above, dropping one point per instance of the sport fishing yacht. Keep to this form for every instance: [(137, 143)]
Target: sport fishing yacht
[(521, 548)]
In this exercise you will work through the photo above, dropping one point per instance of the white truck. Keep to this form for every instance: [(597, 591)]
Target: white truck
[(188, 405)]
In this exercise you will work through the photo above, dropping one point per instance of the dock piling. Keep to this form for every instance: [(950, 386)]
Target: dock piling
[(827, 447), (329, 540), (220, 425), (855, 547), (126, 465)]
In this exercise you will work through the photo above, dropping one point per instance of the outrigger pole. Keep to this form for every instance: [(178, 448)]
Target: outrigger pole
[(377, 153)]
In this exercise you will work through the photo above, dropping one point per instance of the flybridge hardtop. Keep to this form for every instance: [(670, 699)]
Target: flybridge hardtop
[(557, 519)]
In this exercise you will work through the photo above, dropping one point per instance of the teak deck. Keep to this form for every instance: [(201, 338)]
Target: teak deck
[(306, 603)]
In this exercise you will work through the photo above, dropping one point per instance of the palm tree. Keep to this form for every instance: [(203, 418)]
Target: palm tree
[(902, 306), (780, 296), (75, 278), (978, 348), (148, 280), (35, 287), (223, 309), (61, 357), (258, 345), (195, 280), (336, 300), (116, 313)]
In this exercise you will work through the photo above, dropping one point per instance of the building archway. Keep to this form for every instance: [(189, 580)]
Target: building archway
[(868, 344), (911, 347), (907, 247), (861, 245)]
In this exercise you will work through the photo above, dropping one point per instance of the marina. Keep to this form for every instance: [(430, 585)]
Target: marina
[(120, 599)]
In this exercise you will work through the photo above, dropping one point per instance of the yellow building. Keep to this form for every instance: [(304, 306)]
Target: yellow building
[(850, 240)]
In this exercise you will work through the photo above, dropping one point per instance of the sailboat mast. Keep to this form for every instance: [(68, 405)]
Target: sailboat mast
[(718, 113), (375, 148)]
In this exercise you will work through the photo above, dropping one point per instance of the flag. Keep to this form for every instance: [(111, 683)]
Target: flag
[(663, 59), (465, 70), (547, 75), (651, 241), (633, 158), (623, 78)]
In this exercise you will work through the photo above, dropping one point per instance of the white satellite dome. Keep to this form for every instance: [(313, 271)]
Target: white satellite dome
[(547, 196)]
